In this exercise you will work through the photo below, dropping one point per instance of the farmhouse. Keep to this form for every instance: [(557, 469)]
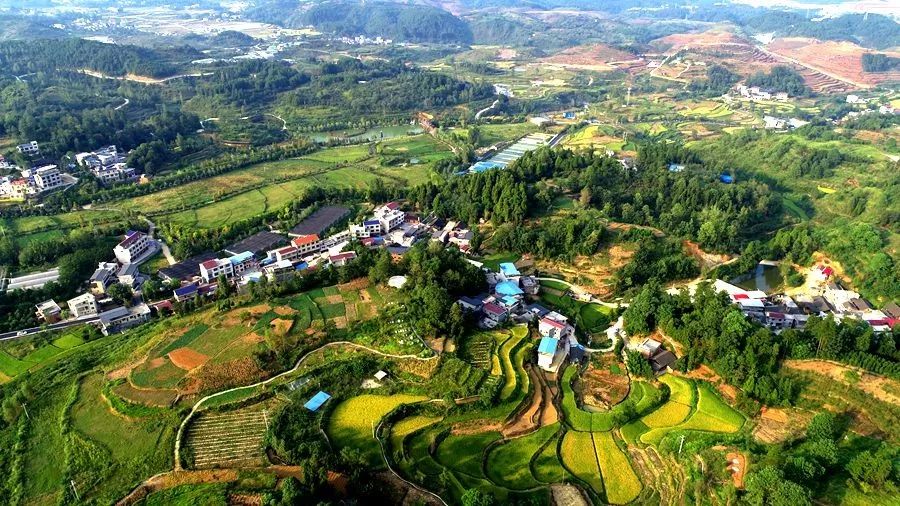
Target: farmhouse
[(29, 149), (552, 353), (121, 318), (47, 178), (556, 326), (49, 311), (279, 271), (212, 269), (494, 314), (104, 276), (186, 292), (307, 243), (83, 305), (136, 247), (342, 259)]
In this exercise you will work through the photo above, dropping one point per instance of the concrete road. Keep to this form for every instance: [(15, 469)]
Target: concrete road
[(53, 326)]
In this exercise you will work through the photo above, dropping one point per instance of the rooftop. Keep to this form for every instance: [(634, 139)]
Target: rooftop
[(305, 239), (509, 269), (240, 257), (316, 401), (320, 220), (257, 243), (508, 288), (131, 237), (548, 345)]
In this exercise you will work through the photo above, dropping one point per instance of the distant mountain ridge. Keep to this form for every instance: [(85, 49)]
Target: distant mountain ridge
[(399, 22)]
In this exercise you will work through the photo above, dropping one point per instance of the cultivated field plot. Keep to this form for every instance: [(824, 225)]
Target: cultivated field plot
[(224, 199), (599, 137), (352, 423), (578, 456), (505, 462), (228, 439), (622, 484)]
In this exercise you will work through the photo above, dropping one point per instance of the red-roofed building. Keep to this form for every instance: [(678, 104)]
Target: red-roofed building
[(212, 269), (495, 312), (307, 243), (392, 205), (135, 245), (556, 328), (342, 259), (288, 253)]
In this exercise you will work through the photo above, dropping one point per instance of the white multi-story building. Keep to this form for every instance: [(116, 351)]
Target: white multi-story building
[(112, 173), (212, 269), (135, 245), (104, 276), (83, 305), (389, 216), (556, 326), (369, 228), (29, 148), (243, 262), (288, 253), (47, 178)]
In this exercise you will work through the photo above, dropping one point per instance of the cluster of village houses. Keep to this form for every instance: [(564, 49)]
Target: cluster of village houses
[(264, 254), (780, 311), (106, 164), (506, 301)]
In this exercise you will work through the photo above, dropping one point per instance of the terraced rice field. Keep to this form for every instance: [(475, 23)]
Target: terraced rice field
[(228, 439), (353, 421), (408, 426), (622, 484), (505, 463), (578, 456)]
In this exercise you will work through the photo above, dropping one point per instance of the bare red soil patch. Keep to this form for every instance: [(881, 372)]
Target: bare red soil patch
[(592, 55), (600, 386), (707, 38), (842, 59), (187, 359)]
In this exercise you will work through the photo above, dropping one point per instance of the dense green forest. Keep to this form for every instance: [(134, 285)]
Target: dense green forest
[(23, 57), (879, 62), (780, 78), (396, 21)]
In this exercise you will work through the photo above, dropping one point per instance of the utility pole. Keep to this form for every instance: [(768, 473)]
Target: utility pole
[(681, 444), (25, 408), (266, 418), (72, 482)]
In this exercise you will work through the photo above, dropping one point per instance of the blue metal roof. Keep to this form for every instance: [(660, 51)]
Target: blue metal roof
[(371, 222), (508, 288), (509, 300), (317, 400), (548, 345), (509, 269), (726, 178), (302, 266), (185, 290), (240, 257)]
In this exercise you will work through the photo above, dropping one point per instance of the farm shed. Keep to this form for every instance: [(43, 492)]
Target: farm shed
[(319, 221), (316, 401), (257, 243)]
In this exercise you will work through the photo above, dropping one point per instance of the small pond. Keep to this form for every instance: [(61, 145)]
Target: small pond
[(767, 278)]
